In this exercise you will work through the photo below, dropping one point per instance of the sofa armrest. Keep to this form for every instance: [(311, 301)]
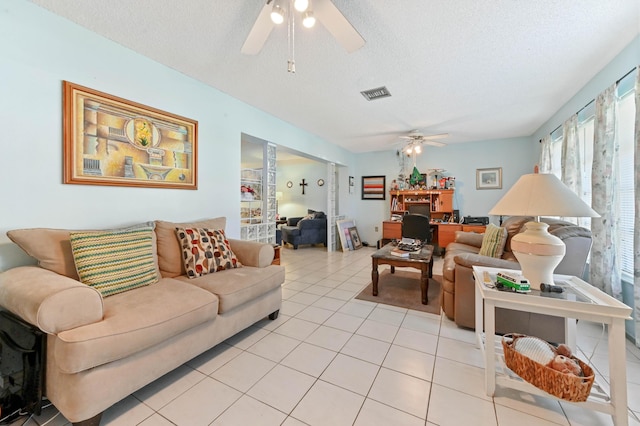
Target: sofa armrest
[(471, 259), (50, 301), (470, 238), (252, 253)]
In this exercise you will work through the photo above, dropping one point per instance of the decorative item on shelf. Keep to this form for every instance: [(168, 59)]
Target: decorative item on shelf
[(247, 193), (416, 177), (537, 251), (451, 184)]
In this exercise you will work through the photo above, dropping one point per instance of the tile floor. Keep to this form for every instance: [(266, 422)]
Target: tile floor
[(332, 360)]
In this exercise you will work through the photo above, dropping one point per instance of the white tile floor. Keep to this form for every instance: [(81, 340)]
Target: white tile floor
[(332, 360)]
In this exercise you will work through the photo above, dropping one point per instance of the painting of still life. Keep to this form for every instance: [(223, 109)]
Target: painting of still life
[(113, 141)]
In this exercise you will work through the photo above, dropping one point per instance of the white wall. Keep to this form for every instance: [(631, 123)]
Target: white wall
[(516, 156), (293, 203), (38, 50), (624, 62)]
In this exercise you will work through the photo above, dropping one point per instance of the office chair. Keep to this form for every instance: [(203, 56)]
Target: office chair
[(416, 226)]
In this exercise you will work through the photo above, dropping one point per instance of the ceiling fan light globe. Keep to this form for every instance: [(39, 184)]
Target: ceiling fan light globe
[(308, 20), (301, 5), (418, 149), (277, 13)]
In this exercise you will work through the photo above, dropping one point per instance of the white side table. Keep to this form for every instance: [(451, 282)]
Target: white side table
[(580, 300)]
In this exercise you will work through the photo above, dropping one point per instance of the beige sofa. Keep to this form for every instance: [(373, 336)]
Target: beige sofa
[(458, 289), (102, 349)]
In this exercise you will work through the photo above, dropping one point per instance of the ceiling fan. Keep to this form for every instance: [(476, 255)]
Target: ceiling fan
[(415, 140), (275, 12)]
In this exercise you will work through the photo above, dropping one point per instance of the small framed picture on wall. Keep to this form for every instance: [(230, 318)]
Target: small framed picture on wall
[(489, 178)]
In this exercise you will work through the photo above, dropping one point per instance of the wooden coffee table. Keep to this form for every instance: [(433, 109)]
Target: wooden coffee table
[(422, 261)]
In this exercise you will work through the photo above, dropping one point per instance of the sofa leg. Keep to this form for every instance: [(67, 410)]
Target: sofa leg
[(295, 247), (93, 421), (274, 315)]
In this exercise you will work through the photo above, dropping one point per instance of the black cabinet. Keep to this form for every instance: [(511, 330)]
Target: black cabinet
[(22, 356)]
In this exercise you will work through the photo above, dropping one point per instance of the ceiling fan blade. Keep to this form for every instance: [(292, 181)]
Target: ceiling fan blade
[(259, 32), (438, 136), (335, 22), (434, 143)]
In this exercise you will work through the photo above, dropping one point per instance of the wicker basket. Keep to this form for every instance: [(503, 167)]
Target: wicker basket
[(562, 385)]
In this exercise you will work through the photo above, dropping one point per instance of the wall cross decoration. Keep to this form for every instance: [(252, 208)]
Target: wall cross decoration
[(303, 184)]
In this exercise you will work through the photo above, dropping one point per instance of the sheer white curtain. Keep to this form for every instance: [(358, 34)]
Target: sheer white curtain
[(636, 239), (572, 161), (545, 155), (605, 266)]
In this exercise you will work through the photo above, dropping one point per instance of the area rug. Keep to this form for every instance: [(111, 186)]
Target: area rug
[(402, 289)]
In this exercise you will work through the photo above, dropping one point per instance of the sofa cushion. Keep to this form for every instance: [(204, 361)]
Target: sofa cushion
[(493, 241), (135, 321), (113, 262), (235, 287), (52, 247), (169, 250), (205, 251)]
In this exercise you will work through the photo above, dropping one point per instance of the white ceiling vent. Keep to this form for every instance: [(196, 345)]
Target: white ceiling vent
[(377, 93)]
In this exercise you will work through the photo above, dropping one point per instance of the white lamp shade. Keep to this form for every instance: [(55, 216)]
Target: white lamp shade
[(540, 194)]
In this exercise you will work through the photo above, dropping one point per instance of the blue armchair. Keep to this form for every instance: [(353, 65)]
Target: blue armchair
[(311, 229)]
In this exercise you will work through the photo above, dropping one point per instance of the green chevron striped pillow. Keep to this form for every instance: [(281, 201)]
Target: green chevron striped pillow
[(115, 261)]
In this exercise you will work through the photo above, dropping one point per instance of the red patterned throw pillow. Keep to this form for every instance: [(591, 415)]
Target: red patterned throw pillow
[(205, 251)]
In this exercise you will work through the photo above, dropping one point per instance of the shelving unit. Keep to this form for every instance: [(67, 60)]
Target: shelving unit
[(251, 204), (440, 201)]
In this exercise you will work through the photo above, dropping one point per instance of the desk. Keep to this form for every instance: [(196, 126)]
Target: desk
[(443, 233), (581, 301)]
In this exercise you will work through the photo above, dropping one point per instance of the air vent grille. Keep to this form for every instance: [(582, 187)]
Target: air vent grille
[(377, 93)]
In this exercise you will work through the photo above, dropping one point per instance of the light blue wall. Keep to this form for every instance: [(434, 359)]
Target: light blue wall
[(516, 156), (38, 50)]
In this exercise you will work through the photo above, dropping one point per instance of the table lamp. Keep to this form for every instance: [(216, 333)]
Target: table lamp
[(539, 194)]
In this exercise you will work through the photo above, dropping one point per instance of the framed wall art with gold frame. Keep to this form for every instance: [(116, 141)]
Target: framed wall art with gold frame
[(112, 141)]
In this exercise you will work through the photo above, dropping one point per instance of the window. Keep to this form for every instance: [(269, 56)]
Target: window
[(626, 118), (625, 134)]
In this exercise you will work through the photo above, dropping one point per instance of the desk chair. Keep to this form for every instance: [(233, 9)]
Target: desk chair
[(416, 226)]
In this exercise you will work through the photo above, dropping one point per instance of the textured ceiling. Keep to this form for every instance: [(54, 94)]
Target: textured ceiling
[(477, 70)]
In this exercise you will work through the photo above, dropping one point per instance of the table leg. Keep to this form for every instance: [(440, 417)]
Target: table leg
[(374, 277), (490, 348), (393, 269), (431, 267), (424, 283), (617, 372)]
